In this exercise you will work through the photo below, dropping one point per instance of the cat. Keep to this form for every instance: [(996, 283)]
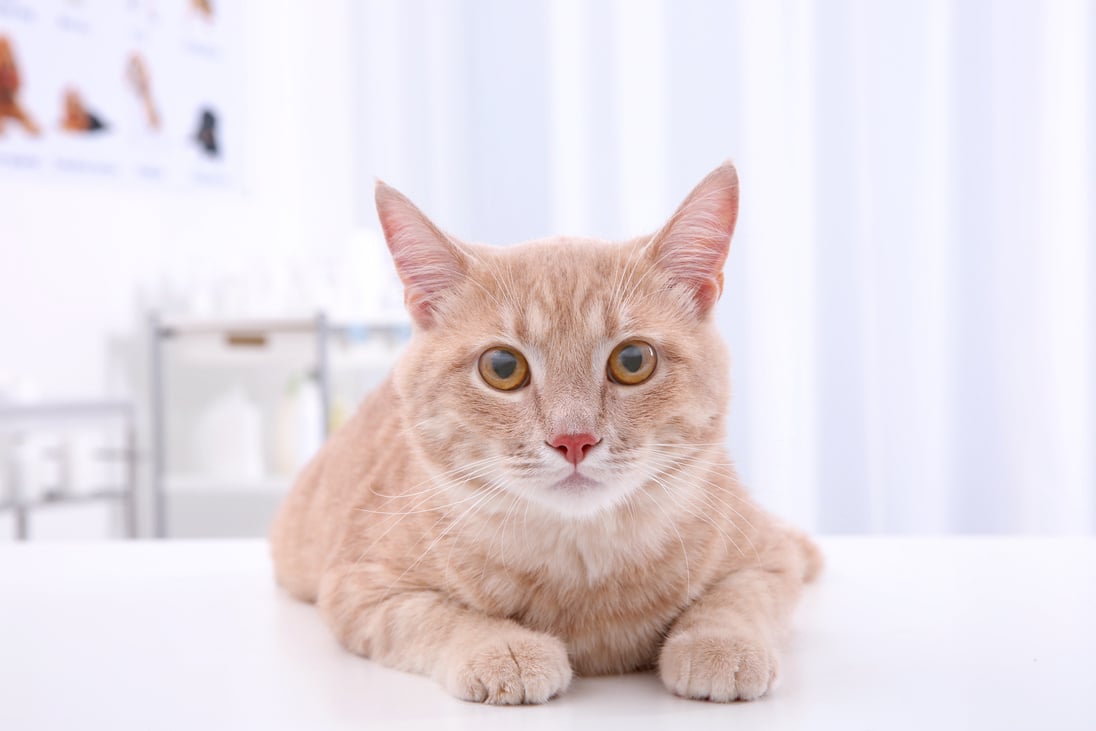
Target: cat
[(540, 487)]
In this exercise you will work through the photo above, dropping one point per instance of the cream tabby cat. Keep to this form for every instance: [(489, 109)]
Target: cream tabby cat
[(540, 488)]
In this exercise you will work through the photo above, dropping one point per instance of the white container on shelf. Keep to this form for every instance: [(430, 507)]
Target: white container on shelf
[(298, 426), (228, 438)]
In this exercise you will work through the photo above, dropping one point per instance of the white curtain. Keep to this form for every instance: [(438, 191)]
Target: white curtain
[(909, 294)]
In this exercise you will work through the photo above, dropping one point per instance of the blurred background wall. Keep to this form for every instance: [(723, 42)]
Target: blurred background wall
[(909, 291), (909, 294)]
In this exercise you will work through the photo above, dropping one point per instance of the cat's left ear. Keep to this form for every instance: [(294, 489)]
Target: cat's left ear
[(693, 246), (429, 263)]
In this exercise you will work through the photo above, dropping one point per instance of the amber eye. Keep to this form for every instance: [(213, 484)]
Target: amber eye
[(632, 362), (504, 369)]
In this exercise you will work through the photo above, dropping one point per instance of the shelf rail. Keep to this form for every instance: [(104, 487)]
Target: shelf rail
[(21, 418)]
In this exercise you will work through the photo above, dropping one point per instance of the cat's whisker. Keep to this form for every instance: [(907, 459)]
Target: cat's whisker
[(693, 458), (498, 531), (684, 552), (711, 503), (685, 460), (506, 523), (715, 498), (445, 481), (525, 518), (411, 491), (703, 503), (687, 445), (416, 425), (630, 507), (680, 464), (459, 539), (722, 468), (365, 551), (682, 500), (484, 497), (669, 466), (488, 488), (491, 484), (414, 509), (696, 455), (429, 509), (718, 497), (422, 503)]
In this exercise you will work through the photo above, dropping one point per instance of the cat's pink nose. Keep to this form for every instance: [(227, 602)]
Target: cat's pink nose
[(574, 446)]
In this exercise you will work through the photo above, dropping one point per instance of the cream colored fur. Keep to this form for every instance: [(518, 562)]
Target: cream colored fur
[(432, 529)]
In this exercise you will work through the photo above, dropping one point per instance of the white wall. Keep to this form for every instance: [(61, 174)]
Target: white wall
[(73, 257)]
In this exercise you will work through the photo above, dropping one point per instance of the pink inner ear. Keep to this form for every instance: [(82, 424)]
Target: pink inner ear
[(708, 293), (428, 263), (693, 246)]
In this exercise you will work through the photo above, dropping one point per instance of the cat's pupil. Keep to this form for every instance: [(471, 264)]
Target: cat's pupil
[(632, 358), (503, 364)]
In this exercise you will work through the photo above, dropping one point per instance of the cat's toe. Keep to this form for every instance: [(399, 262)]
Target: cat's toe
[(717, 667), (530, 668)]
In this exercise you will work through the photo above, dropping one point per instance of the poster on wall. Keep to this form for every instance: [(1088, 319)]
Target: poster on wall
[(145, 92)]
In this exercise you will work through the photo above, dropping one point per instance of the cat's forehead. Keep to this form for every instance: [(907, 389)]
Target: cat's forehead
[(576, 287)]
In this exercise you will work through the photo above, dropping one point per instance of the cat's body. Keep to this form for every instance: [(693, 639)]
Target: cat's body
[(455, 529)]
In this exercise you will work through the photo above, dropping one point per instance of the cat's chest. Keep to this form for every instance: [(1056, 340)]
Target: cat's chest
[(610, 608)]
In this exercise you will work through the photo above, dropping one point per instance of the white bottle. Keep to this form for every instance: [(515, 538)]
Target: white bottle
[(299, 426), (228, 441)]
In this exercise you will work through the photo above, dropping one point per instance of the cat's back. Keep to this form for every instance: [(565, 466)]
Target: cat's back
[(311, 520)]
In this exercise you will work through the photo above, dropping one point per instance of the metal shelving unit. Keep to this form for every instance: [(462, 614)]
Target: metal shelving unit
[(242, 335), (18, 420)]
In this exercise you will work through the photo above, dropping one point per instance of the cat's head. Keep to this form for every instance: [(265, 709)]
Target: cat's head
[(569, 372)]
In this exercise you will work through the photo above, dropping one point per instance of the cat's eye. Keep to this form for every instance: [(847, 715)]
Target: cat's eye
[(504, 369), (632, 362)]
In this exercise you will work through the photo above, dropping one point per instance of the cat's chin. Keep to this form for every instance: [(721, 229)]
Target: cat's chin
[(579, 496), (575, 482)]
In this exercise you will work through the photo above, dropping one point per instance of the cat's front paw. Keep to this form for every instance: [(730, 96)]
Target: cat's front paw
[(513, 668), (717, 667)]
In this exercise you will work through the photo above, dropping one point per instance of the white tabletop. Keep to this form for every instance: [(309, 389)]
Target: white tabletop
[(899, 633)]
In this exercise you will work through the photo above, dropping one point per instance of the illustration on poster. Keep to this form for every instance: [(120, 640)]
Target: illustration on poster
[(75, 116), (138, 75), (10, 81)]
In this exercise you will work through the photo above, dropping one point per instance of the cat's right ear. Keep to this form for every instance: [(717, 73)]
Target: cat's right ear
[(428, 262), (692, 247)]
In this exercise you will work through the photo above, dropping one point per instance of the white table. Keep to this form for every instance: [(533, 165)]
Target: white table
[(900, 633)]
